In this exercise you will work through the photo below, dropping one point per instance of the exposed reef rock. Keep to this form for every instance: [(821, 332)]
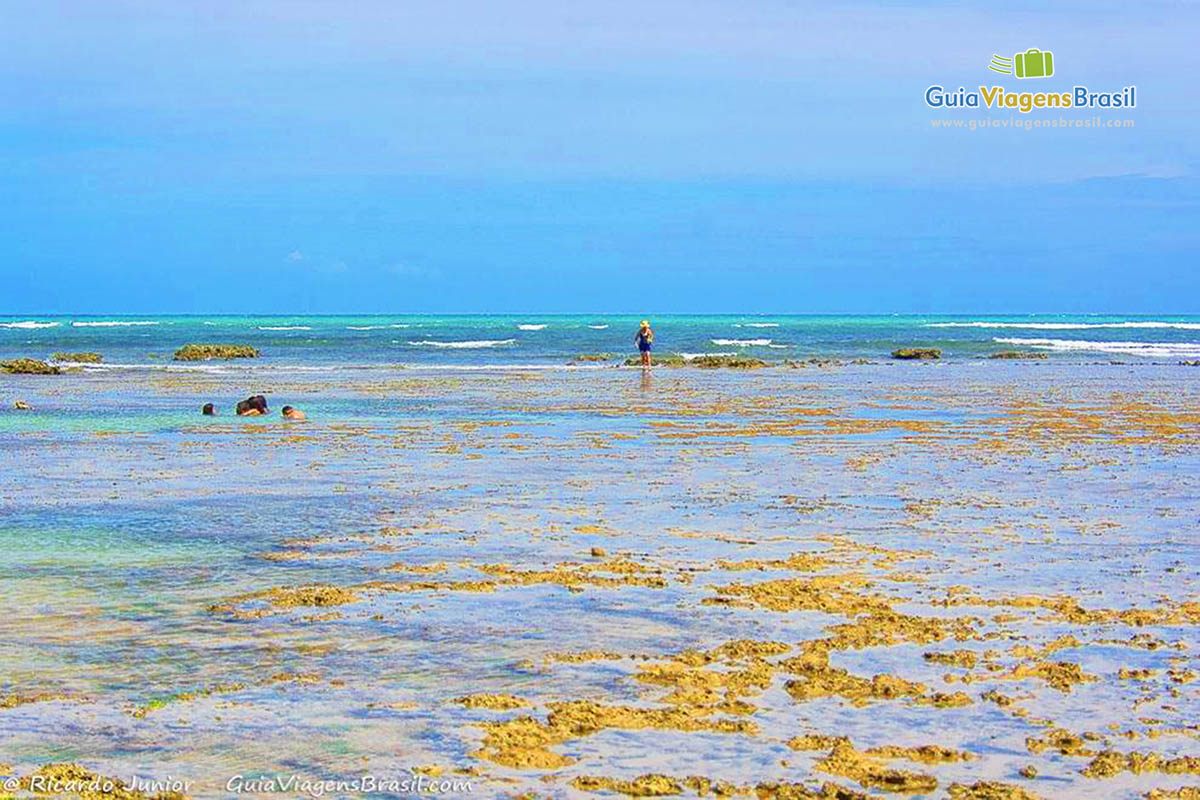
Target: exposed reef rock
[(918, 353), (206, 352), (28, 366)]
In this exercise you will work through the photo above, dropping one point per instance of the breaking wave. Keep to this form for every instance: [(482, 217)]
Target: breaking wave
[(28, 324), (741, 342), (1150, 349), (469, 345), (530, 327), (1066, 326), (284, 328), (113, 324)]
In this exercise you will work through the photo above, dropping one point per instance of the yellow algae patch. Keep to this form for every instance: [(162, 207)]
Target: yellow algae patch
[(14, 700), (641, 786), (1060, 675), (798, 791), (432, 586), (183, 697), (84, 784), (845, 761), (524, 742), (964, 659), (695, 686), (416, 569), (816, 741), (432, 770), (608, 574), (1182, 793), (316, 595), (1136, 674), (799, 562), (584, 655), (495, 702), (924, 754), (831, 594), (1061, 740), (1110, 763), (1037, 654), (945, 700), (1069, 609), (816, 679), (989, 790), (887, 627), (835, 682), (295, 677)]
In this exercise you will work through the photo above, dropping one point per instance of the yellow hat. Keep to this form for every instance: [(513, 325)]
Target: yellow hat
[(645, 323)]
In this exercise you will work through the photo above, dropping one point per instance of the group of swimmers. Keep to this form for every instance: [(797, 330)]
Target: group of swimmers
[(256, 406)]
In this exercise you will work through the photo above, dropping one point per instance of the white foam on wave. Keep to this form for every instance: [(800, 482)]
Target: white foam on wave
[(756, 324), (28, 325), (468, 345), (284, 328), (741, 342), (690, 356), (373, 327), (114, 323), (598, 327), (530, 327), (1067, 326), (1168, 349)]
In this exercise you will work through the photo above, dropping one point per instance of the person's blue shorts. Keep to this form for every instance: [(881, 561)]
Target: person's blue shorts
[(644, 347)]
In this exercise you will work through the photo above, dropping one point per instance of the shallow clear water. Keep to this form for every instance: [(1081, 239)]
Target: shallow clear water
[(125, 517)]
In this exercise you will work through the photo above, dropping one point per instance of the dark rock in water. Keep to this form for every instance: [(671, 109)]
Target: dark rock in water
[(814, 362), (917, 353), (1017, 354), (703, 362), (1189, 363), (592, 357), (670, 360), (729, 362), (78, 358), (21, 405), (205, 352), (28, 366)]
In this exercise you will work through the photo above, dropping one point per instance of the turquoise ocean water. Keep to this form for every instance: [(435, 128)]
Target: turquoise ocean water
[(532, 339)]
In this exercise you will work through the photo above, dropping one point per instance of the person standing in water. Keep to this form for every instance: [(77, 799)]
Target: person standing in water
[(645, 341)]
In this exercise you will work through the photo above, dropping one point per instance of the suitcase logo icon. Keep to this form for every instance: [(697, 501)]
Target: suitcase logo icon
[(1033, 63)]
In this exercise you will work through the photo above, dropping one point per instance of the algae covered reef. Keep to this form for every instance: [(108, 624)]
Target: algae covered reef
[(28, 366), (917, 353), (78, 358), (774, 583), (208, 352), (702, 361)]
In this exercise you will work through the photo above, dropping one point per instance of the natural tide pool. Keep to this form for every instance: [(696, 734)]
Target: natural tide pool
[(885, 576)]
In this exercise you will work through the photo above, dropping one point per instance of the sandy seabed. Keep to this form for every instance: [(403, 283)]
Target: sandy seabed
[(964, 580)]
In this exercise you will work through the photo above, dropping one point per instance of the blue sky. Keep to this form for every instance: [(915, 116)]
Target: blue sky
[(777, 156)]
